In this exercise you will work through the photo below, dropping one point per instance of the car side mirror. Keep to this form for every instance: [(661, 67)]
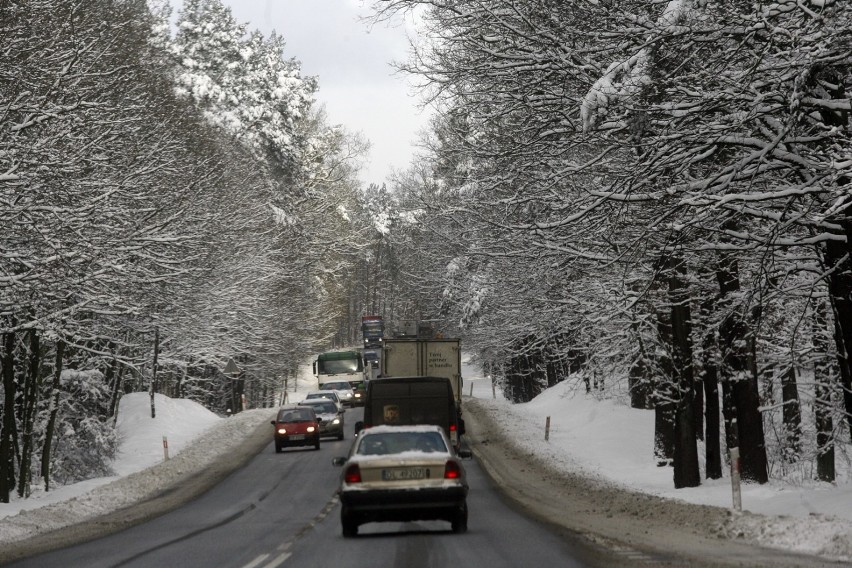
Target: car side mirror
[(464, 454), (338, 461), (319, 419), (359, 426), (272, 422)]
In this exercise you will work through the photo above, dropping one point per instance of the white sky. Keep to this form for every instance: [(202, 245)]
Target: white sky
[(603, 439), (357, 85)]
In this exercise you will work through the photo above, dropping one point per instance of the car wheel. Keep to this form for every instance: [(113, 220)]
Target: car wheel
[(459, 522), (317, 444), (349, 524), (340, 436), (277, 448)]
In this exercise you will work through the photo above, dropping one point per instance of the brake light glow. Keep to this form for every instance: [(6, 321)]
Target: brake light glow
[(352, 474), (453, 427), (452, 470)]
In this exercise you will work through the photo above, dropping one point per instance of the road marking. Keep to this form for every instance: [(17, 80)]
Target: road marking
[(285, 546), (256, 561), (278, 561)]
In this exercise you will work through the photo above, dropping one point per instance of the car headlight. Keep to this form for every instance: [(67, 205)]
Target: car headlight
[(336, 421), (311, 429), (282, 431)]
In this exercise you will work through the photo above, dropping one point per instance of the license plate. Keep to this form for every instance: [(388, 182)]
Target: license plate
[(297, 437), (407, 473)]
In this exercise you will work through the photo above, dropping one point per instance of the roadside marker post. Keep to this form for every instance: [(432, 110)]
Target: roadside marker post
[(735, 479)]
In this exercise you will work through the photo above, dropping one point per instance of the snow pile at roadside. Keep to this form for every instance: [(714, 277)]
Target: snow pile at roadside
[(141, 438), (197, 438), (613, 443)]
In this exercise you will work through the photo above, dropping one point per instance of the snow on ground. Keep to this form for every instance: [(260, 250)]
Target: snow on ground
[(599, 438), (612, 442)]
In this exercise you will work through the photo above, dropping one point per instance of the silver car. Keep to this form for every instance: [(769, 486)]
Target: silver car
[(401, 474), (343, 389), (330, 415), (324, 394)]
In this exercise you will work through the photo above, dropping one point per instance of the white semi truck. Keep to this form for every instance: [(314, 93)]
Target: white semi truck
[(419, 357)]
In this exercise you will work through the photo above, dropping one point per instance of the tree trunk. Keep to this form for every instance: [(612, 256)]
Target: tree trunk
[(839, 256), (822, 396), (664, 397), (686, 470), (53, 411), (640, 381), (792, 415), (737, 372), (31, 390), (154, 371), (7, 433), (712, 453), (710, 382)]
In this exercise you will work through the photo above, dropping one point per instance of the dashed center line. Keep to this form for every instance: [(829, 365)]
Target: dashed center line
[(285, 547)]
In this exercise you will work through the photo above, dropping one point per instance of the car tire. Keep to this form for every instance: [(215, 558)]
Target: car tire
[(348, 524), (340, 436), (277, 448), (317, 444), (459, 521)]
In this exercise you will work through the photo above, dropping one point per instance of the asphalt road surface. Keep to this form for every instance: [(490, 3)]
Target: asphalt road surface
[(281, 510), (268, 510)]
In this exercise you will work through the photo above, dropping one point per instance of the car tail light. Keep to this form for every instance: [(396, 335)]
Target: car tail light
[(352, 474), (453, 427), (452, 470)]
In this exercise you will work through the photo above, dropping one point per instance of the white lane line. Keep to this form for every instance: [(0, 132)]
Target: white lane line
[(278, 561), (257, 561)]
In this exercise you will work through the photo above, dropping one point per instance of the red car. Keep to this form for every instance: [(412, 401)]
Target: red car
[(296, 426)]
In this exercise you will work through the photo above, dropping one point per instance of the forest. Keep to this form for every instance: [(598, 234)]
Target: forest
[(654, 197)]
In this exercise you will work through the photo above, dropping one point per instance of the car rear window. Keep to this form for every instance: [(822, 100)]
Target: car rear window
[(330, 407), (397, 442), (296, 415)]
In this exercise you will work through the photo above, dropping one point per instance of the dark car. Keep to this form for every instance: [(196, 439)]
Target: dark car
[(296, 426), (330, 415), (401, 474), (359, 392)]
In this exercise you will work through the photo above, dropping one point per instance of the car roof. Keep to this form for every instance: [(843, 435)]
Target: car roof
[(385, 428), (290, 407), (316, 402)]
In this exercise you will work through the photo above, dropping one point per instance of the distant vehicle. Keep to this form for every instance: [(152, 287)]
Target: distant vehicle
[(334, 366), (372, 363), (373, 330), (419, 357), (296, 426), (326, 394), (331, 417), (402, 473), (343, 390), (412, 400), (359, 392)]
